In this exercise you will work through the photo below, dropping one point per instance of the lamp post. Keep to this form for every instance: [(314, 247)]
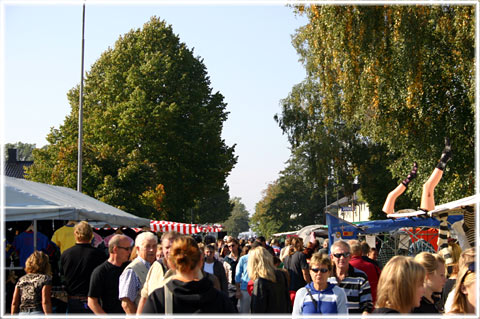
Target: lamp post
[(80, 111)]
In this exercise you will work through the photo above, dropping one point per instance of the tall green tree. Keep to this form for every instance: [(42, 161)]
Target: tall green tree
[(152, 129), (326, 145), (292, 201), (24, 150), (391, 78), (238, 221), (213, 209)]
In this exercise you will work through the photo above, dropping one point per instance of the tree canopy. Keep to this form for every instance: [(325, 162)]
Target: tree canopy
[(152, 130), (384, 86), (238, 221), (292, 201)]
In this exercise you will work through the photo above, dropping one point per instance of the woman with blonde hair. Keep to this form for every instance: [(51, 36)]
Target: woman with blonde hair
[(435, 279), (400, 287), (32, 293), (320, 296), (185, 292), (464, 299), (270, 288), (466, 257)]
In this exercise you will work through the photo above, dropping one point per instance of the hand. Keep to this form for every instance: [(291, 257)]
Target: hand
[(238, 294)]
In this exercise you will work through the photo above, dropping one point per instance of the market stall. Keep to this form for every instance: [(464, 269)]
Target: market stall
[(407, 233), (27, 201)]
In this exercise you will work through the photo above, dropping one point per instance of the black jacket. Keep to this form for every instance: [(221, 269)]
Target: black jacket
[(190, 297), (271, 297), (219, 272), (426, 306)]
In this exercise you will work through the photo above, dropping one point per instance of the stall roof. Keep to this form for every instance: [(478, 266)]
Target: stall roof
[(27, 200)]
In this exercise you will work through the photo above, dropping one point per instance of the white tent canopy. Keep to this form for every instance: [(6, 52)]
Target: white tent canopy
[(453, 208), (27, 201)]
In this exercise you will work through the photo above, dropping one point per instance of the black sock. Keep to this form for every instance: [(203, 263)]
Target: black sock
[(446, 155), (411, 175)]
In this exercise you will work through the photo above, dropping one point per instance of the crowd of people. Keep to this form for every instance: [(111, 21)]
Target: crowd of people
[(182, 274)]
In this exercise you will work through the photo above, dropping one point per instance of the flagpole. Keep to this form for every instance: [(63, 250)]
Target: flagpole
[(80, 112)]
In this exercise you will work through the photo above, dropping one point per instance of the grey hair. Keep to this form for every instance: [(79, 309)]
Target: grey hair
[(341, 243), (145, 236)]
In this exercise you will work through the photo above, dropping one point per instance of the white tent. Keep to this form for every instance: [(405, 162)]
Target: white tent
[(453, 208), (27, 201)]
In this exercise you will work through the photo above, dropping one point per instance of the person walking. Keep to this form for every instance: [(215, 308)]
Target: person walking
[(320, 296), (32, 295), (368, 268), (157, 273), (400, 286), (135, 274), (214, 267), (230, 265), (352, 280), (241, 282), (77, 264), (185, 293), (270, 286), (465, 293), (296, 264), (103, 290), (466, 257), (435, 279)]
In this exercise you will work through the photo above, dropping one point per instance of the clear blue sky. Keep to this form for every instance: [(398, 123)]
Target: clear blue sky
[(246, 48)]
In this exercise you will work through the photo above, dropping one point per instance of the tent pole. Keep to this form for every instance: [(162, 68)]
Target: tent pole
[(34, 235)]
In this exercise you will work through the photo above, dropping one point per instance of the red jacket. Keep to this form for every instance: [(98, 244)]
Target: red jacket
[(370, 270)]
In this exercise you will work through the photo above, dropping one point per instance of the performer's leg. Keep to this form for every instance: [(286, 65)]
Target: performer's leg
[(389, 205), (428, 201)]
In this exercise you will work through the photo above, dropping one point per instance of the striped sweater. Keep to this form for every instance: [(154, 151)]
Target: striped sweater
[(357, 289), (331, 300)]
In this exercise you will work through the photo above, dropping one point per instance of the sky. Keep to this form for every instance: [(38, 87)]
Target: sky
[(246, 49)]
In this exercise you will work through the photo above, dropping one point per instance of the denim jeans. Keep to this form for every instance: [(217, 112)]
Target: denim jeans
[(244, 302)]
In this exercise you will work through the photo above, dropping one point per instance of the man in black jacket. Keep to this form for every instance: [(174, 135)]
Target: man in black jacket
[(77, 264)]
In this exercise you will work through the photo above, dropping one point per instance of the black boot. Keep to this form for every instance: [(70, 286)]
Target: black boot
[(411, 175), (446, 155)]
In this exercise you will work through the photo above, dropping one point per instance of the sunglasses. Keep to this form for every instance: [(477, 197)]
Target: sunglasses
[(126, 248), (345, 255), (230, 245), (322, 270)]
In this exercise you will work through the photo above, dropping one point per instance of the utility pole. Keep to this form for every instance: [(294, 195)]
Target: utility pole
[(80, 112)]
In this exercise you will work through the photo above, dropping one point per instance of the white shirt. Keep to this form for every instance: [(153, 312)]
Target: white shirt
[(208, 267)]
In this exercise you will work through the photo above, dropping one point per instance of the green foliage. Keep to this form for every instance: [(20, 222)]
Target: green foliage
[(24, 150), (289, 203), (391, 79), (152, 130), (213, 209), (238, 221)]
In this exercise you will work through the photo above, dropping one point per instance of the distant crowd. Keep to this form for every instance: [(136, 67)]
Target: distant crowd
[(174, 273)]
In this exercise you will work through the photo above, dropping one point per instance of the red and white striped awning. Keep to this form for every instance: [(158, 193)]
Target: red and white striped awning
[(164, 226)]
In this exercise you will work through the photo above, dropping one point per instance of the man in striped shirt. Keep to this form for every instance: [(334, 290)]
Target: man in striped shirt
[(352, 280)]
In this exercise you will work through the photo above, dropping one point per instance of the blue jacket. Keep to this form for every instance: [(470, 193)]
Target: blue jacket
[(241, 273)]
